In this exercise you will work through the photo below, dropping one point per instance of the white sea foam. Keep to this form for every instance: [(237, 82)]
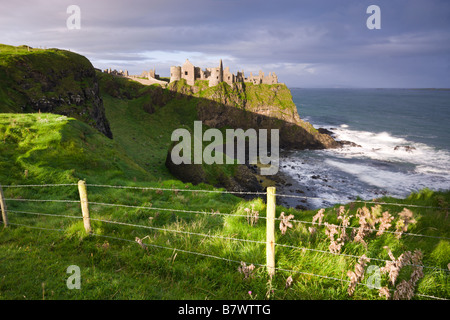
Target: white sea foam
[(386, 147), (383, 164)]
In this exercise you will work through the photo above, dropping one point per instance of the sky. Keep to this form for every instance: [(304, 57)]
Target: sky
[(323, 44)]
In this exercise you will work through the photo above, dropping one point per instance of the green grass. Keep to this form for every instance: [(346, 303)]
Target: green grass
[(117, 269), (48, 148)]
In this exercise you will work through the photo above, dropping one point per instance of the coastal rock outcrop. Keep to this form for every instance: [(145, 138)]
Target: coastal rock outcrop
[(244, 106)]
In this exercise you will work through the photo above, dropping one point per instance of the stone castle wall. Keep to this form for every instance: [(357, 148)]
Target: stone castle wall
[(190, 73)]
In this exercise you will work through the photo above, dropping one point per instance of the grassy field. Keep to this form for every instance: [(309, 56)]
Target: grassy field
[(193, 242), (189, 255)]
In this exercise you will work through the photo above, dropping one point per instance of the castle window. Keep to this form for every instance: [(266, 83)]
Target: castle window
[(185, 73)]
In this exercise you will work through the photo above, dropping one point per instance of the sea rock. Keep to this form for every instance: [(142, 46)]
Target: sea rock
[(348, 144), (406, 148), (325, 131)]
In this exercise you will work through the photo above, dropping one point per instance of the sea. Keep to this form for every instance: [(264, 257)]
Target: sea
[(400, 144)]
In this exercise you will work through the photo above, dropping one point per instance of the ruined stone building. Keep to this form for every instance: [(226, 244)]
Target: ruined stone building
[(190, 73), (116, 73)]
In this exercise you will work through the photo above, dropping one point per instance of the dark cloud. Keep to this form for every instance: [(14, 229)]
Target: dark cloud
[(307, 43)]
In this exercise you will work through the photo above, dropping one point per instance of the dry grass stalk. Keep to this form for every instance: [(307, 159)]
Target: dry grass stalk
[(319, 216), (340, 211), (357, 275), (139, 241), (405, 289), (284, 223), (246, 270), (405, 218), (335, 244), (366, 223), (289, 281), (394, 266), (385, 223), (344, 224), (384, 291), (313, 230), (252, 215)]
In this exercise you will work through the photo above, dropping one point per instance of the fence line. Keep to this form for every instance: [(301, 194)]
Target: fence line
[(215, 257), (38, 185), (224, 191), (176, 190), (223, 237), (46, 214), (365, 201), (43, 200), (216, 213), (270, 242), (221, 258)]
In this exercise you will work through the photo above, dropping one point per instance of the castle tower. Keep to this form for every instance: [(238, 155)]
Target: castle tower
[(175, 73), (214, 77)]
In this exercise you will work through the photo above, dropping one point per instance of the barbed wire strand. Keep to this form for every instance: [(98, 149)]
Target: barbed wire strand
[(213, 213), (46, 214), (39, 185), (256, 264), (42, 200), (180, 231), (362, 201), (219, 213), (210, 256), (354, 256), (176, 190), (155, 208), (370, 229), (221, 237), (222, 191)]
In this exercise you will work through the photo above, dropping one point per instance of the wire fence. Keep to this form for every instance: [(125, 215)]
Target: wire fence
[(207, 235)]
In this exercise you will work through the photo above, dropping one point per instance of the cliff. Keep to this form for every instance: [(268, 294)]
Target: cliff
[(51, 80), (244, 105)]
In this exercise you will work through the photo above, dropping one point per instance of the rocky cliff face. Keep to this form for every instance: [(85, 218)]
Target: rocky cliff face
[(55, 81), (244, 106), (256, 106)]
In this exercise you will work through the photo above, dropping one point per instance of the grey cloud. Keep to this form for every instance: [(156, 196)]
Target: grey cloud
[(308, 42)]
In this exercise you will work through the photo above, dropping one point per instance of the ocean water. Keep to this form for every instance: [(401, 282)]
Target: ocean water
[(402, 139)]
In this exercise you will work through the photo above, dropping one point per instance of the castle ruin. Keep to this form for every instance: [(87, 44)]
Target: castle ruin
[(190, 73)]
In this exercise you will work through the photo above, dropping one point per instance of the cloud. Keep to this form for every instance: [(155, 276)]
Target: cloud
[(317, 42)]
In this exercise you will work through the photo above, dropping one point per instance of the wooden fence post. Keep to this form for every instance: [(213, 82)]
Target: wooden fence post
[(84, 205), (270, 231), (4, 217)]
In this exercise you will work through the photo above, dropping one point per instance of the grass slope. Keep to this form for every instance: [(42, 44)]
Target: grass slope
[(47, 148), (34, 261)]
